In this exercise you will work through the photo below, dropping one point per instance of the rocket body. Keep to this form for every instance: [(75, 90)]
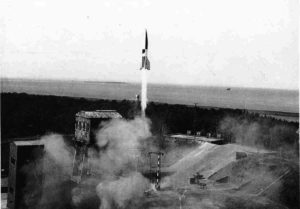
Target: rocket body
[(145, 60), (145, 65)]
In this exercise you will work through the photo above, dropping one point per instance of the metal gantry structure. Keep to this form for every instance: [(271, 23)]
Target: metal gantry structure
[(158, 172)]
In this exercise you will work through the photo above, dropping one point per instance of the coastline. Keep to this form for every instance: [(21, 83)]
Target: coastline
[(261, 101)]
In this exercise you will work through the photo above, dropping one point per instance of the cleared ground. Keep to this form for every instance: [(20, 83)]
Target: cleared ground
[(256, 180)]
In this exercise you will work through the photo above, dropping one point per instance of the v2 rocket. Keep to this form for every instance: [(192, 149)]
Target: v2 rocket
[(145, 61)]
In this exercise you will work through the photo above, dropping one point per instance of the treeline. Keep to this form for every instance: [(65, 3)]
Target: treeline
[(24, 115)]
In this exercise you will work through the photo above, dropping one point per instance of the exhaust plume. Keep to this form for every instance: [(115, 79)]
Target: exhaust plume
[(144, 92)]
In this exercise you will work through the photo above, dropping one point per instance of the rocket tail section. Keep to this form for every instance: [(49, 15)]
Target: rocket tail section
[(147, 64)]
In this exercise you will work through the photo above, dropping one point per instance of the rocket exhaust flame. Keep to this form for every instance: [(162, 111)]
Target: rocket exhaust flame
[(144, 93)]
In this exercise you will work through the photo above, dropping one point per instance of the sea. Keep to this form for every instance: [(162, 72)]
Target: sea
[(274, 100)]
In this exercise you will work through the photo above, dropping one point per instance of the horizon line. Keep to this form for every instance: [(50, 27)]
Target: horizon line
[(135, 82)]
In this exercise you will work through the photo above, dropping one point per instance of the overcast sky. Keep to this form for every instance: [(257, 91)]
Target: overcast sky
[(248, 43)]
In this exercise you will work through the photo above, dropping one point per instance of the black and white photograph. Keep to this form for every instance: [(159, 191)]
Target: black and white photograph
[(148, 104)]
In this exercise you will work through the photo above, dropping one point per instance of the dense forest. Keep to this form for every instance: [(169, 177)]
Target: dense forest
[(24, 115), (28, 115)]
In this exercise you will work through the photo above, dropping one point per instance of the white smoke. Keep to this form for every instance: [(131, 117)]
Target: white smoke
[(115, 179), (58, 151), (55, 167), (119, 142), (144, 92), (118, 192)]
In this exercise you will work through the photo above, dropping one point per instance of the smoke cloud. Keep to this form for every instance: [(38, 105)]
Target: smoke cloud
[(261, 134), (119, 142), (122, 190), (47, 177), (58, 151), (114, 181)]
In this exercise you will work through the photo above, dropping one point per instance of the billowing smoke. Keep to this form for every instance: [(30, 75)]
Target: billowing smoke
[(57, 166), (115, 176), (47, 177), (58, 151), (241, 131), (144, 92), (115, 179), (122, 190), (119, 142), (261, 134)]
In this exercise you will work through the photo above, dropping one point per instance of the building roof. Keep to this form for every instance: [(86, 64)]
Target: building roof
[(28, 143), (108, 114), (192, 137)]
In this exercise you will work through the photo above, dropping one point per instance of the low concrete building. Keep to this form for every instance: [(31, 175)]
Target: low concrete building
[(23, 154)]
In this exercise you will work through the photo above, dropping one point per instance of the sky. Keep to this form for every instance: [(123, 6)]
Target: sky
[(245, 43)]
